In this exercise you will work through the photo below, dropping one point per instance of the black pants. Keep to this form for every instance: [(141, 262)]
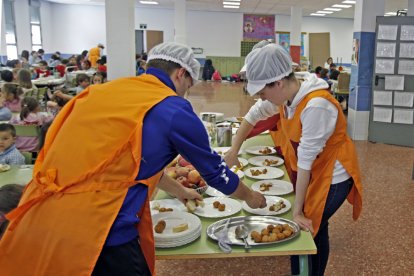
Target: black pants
[(336, 196), (122, 260)]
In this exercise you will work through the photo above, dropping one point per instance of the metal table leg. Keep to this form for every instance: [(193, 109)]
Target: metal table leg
[(304, 265)]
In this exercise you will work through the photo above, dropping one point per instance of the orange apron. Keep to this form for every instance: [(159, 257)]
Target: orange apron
[(338, 147), (94, 55), (91, 157)]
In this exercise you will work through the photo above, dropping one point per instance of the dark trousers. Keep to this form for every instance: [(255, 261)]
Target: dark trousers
[(336, 196), (123, 260)]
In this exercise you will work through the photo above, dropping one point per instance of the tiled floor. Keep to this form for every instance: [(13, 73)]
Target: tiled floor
[(381, 242)]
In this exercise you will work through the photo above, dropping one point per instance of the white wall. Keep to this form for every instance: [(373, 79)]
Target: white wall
[(341, 33), (23, 33), (47, 24), (156, 20)]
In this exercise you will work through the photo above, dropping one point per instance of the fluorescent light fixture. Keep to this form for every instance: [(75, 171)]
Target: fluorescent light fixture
[(391, 13), (232, 3), (332, 9), (325, 12), (234, 0), (230, 7), (349, 2), (317, 14), (341, 6), (149, 2)]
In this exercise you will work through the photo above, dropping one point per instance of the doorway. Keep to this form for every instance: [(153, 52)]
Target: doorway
[(154, 38), (139, 41), (319, 48)]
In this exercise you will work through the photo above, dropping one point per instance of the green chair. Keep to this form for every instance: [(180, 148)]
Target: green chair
[(27, 130), (28, 157), (41, 93)]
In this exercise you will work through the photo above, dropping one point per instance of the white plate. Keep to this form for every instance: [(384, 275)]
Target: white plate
[(175, 204), (173, 219), (258, 160), (214, 192), (222, 150), (232, 207), (255, 150), (271, 173), (270, 200), (243, 161), (279, 187)]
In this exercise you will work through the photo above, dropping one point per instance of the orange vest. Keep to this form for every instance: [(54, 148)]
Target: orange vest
[(338, 147), (91, 157), (94, 55)]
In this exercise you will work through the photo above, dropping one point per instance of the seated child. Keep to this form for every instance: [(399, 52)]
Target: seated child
[(11, 94), (5, 113), (10, 195), (8, 151), (82, 81), (42, 71), (7, 75), (58, 100), (30, 115), (99, 78)]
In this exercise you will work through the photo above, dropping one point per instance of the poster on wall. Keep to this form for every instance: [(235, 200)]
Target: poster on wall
[(284, 41), (258, 27)]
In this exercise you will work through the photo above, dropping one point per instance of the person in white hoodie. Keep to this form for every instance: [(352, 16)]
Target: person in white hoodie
[(309, 131)]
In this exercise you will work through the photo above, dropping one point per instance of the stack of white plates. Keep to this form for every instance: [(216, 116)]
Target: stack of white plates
[(168, 238)]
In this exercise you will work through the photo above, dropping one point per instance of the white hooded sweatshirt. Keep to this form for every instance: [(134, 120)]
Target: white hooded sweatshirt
[(318, 123)]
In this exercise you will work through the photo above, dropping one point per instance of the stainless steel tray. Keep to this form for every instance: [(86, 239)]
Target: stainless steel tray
[(253, 223)]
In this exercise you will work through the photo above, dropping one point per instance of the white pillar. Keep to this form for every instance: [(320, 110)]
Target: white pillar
[(410, 11), (23, 32), (120, 38), (359, 108), (180, 21), (3, 51), (295, 33)]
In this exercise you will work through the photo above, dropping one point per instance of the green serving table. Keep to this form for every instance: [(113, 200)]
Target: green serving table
[(205, 247), (16, 175)]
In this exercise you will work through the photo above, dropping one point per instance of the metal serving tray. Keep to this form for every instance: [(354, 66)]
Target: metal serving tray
[(253, 223)]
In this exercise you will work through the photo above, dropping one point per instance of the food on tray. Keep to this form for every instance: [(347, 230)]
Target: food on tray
[(266, 150), (184, 173), (264, 187), (192, 204), (258, 172), (272, 233), (269, 162), (180, 228), (4, 167), (220, 206), (160, 227), (239, 119), (163, 209), (235, 125), (277, 206)]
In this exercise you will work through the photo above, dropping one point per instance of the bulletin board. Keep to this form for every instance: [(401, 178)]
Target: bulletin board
[(258, 27)]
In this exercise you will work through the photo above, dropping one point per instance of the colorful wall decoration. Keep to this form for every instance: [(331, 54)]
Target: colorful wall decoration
[(258, 27), (284, 41)]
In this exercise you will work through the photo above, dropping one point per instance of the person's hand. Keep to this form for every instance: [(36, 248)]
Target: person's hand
[(303, 222), (256, 200), (231, 158), (58, 93), (188, 193)]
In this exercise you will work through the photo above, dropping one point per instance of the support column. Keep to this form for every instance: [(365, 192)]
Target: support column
[(360, 87), (295, 33), (120, 38), (180, 21), (410, 8), (3, 51)]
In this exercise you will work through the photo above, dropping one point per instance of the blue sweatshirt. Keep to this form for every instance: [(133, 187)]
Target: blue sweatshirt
[(170, 128)]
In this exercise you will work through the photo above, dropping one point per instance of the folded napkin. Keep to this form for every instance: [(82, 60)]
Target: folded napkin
[(223, 238)]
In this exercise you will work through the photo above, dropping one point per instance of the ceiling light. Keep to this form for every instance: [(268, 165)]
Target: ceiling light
[(230, 7), (391, 13), (349, 2), (332, 9), (325, 12), (317, 14), (341, 6), (149, 2), (232, 3)]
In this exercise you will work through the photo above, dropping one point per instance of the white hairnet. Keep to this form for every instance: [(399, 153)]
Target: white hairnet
[(258, 45), (177, 53), (266, 65)]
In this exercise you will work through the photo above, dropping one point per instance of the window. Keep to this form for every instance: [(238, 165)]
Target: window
[(11, 41), (35, 25)]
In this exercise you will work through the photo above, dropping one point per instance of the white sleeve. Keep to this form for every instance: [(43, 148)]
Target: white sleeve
[(261, 110), (318, 123)]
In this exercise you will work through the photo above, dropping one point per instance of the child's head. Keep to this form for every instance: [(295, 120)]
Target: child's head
[(15, 71), (43, 65), (99, 77), (10, 195), (7, 136), (29, 105), (82, 80), (86, 64), (324, 73), (11, 91), (7, 75), (24, 78)]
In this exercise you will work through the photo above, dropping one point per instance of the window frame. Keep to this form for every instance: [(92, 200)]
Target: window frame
[(12, 24), (35, 46)]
